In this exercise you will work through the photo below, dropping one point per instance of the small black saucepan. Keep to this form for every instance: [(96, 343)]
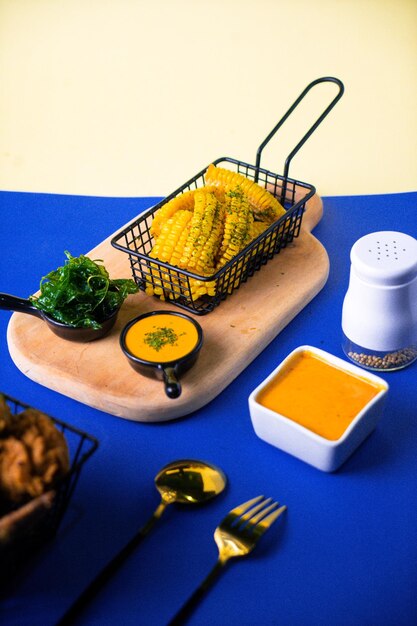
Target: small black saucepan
[(72, 333), (169, 371)]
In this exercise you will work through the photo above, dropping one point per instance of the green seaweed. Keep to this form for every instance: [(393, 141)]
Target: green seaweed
[(81, 292)]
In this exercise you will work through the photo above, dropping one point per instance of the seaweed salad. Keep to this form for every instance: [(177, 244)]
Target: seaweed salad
[(81, 292)]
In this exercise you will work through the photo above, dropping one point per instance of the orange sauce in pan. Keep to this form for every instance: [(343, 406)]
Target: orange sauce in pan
[(318, 395), (161, 338)]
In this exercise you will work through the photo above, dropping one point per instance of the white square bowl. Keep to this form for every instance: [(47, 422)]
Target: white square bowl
[(287, 435)]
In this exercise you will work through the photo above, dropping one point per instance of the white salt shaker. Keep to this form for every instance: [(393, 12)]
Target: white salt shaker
[(379, 316)]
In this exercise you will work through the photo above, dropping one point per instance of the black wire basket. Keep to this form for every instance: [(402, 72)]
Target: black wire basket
[(176, 285), (41, 524)]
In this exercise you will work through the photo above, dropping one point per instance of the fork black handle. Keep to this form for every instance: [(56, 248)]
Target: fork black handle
[(187, 609)]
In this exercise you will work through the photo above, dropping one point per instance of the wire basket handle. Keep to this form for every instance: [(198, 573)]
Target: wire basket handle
[(326, 79)]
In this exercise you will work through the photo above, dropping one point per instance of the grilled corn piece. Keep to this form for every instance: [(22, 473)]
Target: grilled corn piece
[(174, 286), (237, 228), (257, 229), (173, 230), (202, 288), (184, 201), (205, 205), (265, 206), (171, 240), (175, 241)]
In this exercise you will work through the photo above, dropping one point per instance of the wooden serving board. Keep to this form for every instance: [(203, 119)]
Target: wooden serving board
[(99, 375)]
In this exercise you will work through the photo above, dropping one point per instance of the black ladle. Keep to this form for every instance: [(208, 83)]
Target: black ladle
[(71, 333)]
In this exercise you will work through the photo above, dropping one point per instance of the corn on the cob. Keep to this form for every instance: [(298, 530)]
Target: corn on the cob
[(172, 237), (205, 211), (265, 206), (257, 229), (184, 201), (240, 270), (208, 246), (172, 231), (202, 288), (154, 285), (174, 287), (206, 261), (170, 245), (237, 228)]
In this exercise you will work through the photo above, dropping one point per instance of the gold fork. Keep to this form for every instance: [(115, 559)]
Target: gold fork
[(236, 535)]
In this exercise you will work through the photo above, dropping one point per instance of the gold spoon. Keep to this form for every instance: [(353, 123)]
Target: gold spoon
[(186, 482)]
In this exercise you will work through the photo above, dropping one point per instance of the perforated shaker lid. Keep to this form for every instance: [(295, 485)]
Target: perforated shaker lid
[(385, 258)]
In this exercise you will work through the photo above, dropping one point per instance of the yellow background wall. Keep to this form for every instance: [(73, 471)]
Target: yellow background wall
[(131, 98)]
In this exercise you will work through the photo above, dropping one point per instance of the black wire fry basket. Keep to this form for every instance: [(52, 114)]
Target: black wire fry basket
[(37, 521), (178, 286)]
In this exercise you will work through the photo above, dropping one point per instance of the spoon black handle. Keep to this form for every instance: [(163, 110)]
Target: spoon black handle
[(20, 305), (108, 570)]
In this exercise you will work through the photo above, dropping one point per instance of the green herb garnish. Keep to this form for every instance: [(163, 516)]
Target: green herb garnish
[(161, 337), (236, 192), (81, 293)]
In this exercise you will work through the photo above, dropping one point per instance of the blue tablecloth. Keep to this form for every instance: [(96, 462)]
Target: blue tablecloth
[(345, 553)]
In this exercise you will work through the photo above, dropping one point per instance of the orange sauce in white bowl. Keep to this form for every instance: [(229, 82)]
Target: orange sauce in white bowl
[(317, 394)]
